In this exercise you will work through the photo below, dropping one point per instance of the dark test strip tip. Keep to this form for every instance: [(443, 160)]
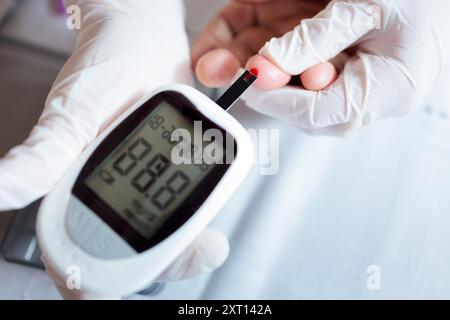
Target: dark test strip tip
[(237, 89)]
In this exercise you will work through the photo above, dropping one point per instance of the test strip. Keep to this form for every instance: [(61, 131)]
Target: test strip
[(237, 89)]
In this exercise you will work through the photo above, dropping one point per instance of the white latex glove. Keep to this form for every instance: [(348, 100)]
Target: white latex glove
[(401, 46), (124, 50)]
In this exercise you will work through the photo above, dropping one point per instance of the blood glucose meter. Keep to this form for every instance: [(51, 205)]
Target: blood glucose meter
[(125, 210)]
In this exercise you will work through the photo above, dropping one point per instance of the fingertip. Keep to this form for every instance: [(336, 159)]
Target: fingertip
[(319, 76), (270, 77), (214, 248), (217, 68), (208, 252)]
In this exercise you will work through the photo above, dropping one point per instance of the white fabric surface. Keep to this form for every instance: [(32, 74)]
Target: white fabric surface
[(337, 206)]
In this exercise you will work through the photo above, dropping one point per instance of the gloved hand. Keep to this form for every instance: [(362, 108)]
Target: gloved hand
[(124, 50), (122, 53), (399, 48), (394, 51)]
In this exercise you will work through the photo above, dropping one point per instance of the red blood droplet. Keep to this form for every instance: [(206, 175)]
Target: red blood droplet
[(254, 71)]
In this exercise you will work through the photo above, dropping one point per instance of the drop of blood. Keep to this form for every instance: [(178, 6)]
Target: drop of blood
[(254, 71)]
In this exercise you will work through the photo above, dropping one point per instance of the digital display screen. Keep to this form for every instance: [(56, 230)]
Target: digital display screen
[(139, 181)]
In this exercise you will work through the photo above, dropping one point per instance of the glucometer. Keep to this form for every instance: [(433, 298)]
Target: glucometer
[(145, 189)]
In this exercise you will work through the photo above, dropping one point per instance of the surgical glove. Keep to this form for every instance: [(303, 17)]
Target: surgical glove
[(124, 50), (122, 53), (398, 49)]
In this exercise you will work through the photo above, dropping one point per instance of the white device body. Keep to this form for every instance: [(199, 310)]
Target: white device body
[(108, 267)]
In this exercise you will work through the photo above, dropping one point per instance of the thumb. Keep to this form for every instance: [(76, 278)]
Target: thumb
[(323, 37), (208, 252)]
